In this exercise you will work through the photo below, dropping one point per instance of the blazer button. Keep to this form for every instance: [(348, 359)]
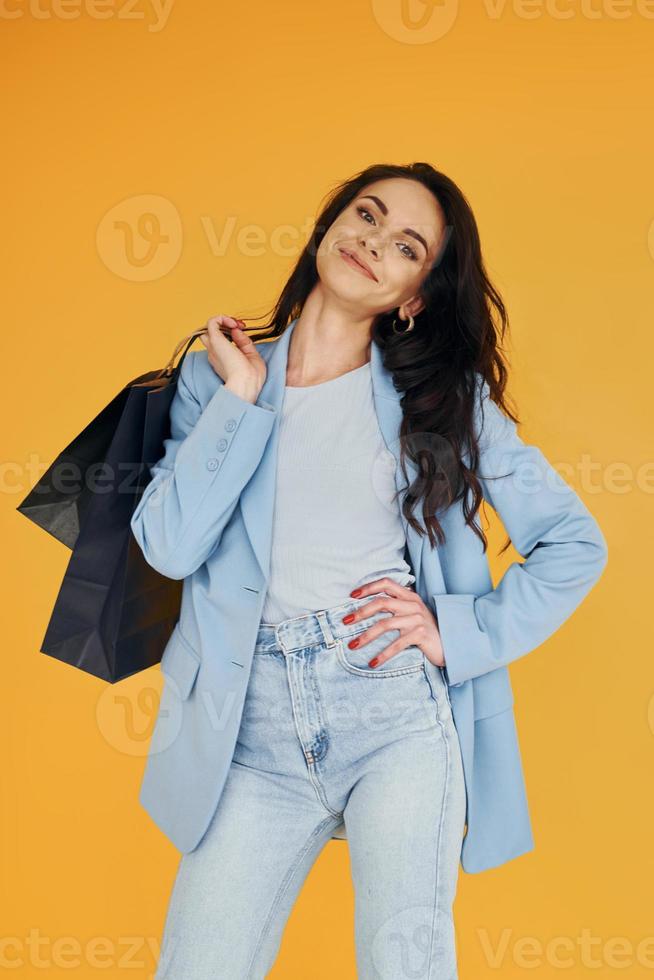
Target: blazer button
[(212, 464), (221, 445), (230, 425)]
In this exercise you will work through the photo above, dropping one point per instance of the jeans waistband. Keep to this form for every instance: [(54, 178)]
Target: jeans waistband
[(324, 626)]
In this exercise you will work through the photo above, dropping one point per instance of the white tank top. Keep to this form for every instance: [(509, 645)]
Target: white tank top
[(335, 522)]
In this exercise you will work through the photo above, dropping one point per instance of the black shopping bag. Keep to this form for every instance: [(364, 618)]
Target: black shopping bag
[(114, 613)]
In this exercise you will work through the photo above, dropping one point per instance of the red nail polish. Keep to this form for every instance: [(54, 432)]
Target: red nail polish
[(349, 618), (354, 643), (373, 662), (355, 593)]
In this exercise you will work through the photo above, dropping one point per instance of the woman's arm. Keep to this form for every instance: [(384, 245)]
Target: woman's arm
[(564, 549), (210, 456)]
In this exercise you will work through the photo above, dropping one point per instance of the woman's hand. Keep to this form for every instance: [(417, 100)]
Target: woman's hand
[(239, 364), (414, 620)]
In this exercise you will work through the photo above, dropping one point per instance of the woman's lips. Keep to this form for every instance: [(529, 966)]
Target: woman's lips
[(355, 265)]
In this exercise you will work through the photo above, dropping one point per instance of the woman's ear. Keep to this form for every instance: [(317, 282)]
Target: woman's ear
[(412, 308)]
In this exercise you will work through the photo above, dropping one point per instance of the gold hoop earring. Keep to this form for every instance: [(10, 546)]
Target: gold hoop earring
[(406, 329)]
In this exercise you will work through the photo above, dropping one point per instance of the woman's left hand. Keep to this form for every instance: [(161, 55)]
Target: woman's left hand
[(414, 620)]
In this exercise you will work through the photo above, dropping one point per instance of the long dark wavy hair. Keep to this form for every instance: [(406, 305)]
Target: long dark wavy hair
[(434, 365)]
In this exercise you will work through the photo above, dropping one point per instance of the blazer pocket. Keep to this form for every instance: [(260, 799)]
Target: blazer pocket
[(180, 663)]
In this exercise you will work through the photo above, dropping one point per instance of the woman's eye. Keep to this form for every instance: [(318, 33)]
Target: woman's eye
[(411, 252), (412, 255)]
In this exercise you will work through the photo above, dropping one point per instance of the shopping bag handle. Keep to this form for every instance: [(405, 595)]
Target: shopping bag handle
[(188, 340), (169, 369)]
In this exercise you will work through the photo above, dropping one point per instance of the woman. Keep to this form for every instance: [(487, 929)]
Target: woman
[(369, 680)]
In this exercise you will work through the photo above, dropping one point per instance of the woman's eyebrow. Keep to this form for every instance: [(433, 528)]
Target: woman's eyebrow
[(384, 210)]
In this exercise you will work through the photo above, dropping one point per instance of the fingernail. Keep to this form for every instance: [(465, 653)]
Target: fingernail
[(355, 593), (353, 643), (373, 662), (349, 618)]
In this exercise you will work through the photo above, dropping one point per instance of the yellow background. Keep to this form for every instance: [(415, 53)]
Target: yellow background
[(223, 117)]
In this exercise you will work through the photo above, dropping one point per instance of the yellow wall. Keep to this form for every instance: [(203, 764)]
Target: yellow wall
[(223, 119)]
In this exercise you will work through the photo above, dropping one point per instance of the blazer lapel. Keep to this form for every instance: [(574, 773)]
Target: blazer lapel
[(389, 415), (257, 497)]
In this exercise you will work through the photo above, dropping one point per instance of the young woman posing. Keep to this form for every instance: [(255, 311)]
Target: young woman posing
[(340, 658)]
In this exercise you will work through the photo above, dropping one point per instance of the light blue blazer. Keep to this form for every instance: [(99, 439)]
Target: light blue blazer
[(206, 518)]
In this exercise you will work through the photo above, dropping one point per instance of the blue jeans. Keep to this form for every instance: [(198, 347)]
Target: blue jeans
[(325, 739)]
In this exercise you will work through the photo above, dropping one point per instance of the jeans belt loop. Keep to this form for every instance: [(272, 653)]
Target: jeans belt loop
[(326, 628), (278, 639)]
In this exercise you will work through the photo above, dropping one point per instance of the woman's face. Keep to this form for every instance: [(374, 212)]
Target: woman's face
[(395, 227)]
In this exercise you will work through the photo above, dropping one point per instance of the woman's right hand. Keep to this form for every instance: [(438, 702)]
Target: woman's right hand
[(239, 364)]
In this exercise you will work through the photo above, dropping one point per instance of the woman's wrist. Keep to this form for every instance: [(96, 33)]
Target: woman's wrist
[(247, 392)]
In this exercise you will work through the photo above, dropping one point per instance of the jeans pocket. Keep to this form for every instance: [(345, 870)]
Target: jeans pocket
[(411, 660)]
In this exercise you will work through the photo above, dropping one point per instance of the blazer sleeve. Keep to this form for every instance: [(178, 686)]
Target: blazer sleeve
[(209, 458), (563, 548)]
